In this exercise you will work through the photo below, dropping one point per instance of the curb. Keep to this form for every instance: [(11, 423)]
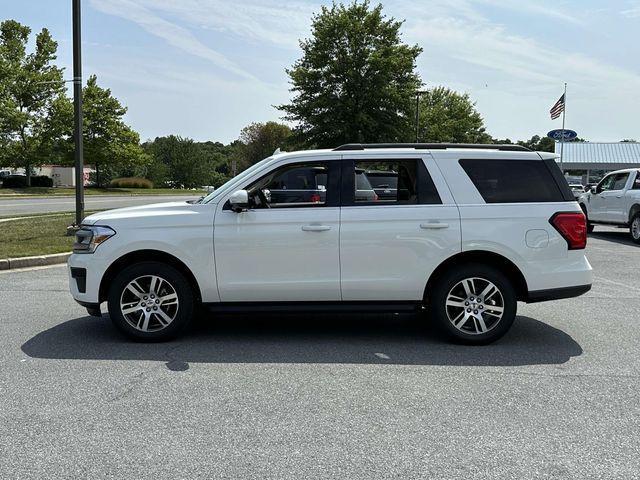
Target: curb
[(37, 261)]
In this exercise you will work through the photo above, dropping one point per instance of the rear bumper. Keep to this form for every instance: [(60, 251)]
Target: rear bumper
[(557, 293)]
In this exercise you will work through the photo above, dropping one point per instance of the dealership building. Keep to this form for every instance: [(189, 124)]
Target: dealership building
[(591, 160)]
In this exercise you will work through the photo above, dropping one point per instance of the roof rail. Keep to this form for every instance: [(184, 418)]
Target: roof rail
[(433, 146)]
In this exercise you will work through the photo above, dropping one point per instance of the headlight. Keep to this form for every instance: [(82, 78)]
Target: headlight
[(89, 237)]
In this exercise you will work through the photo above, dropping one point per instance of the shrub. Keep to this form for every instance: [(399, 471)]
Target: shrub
[(41, 181), (132, 182), (16, 181)]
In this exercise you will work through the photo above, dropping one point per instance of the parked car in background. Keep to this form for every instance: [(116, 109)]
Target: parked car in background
[(384, 183), (577, 189), (475, 230), (4, 173), (615, 201)]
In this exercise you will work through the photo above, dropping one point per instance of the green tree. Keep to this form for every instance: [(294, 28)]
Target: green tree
[(355, 81), (539, 144), (260, 140), (31, 96), (109, 144), (183, 162), (450, 117)]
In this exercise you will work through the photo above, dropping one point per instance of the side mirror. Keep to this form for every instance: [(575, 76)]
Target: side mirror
[(239, 201), (594, 189)]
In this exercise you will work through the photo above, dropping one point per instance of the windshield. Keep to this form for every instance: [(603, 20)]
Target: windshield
[(237, 178)]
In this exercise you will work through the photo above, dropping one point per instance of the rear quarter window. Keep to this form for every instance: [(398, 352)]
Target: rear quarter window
[(513, 181)]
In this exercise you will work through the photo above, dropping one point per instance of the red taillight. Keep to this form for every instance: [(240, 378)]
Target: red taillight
[(573, 228)]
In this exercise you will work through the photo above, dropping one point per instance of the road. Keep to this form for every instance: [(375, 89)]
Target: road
[(315, 396), (29, 206)]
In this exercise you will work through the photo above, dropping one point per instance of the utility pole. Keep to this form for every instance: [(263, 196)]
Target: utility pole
[(77, 113), (418, 93)]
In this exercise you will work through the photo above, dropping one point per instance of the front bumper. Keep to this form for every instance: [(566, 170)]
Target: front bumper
[(93, 309), (85, 275)]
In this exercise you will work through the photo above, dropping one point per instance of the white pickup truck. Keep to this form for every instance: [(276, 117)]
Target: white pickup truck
[(615, 201)]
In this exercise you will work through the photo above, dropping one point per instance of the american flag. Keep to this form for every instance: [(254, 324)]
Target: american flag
[(557, 109)]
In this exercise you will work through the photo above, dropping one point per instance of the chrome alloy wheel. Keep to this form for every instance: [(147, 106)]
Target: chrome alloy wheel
[(149, 303), (475, 306), (635, 228)]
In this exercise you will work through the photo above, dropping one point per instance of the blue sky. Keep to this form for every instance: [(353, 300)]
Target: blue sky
[(206, 68)]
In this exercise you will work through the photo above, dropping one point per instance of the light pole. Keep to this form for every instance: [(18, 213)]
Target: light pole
[(418, 93), (77, 113)]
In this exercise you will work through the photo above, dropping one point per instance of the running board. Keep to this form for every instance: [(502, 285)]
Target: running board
[(293, 307)]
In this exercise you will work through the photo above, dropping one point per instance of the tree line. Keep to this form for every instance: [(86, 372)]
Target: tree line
[(356, 81)]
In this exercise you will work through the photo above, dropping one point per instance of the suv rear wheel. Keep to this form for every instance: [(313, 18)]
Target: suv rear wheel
[(475, 304), (150, 301)]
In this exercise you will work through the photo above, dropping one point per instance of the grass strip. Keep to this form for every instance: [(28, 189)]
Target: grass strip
[(39, 235)]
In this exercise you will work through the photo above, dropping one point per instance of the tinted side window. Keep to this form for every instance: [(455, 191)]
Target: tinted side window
[(404, 182), (636, 183), (512, 181), (296, 185)]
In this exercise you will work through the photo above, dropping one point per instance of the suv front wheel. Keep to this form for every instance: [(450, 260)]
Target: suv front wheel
[(474, 304), (150, 301)]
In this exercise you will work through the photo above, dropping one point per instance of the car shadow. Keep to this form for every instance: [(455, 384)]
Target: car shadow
[(618, 236), (350, 339)]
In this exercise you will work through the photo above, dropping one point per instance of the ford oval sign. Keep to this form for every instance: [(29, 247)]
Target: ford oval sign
[(562, 135)]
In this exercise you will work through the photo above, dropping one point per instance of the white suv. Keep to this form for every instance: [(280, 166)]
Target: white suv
[(466, 232)]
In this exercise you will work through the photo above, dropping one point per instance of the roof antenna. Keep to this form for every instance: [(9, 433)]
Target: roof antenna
[(276, 152)]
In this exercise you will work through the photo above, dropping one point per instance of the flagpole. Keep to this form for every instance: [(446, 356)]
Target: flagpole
[(564, 112)]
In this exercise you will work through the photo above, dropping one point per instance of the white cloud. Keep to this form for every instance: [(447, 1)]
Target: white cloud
[(495, 48), (633, 11), (264, 21), (534, 7), (173, 34), (466, 47)]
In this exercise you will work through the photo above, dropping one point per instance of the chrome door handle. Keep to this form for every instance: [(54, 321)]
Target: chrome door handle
[(316, 228), (433, 225), (618, 196)]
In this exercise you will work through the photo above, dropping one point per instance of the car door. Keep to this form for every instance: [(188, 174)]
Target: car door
[(597, 207), (284, 247), (389, 245), (614, 201)]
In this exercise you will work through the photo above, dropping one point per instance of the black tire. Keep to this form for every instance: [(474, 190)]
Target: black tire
[(181, 313), (468, 332), (635, 237), (589, 224)]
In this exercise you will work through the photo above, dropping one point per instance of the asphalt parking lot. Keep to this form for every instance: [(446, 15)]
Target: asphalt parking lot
[(359, 396)]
